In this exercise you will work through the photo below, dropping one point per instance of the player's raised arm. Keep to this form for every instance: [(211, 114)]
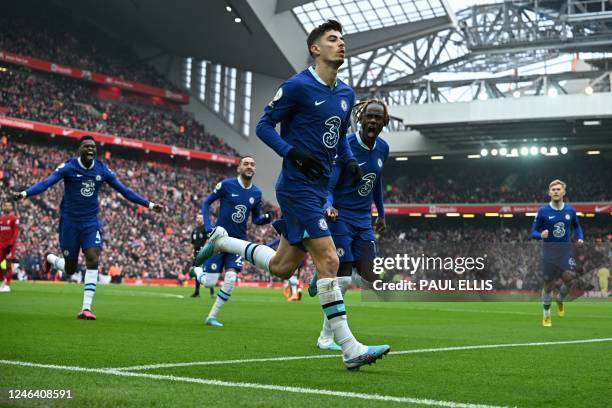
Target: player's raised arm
[(216, 194), (536, 227), (129, 194), (42, 185)]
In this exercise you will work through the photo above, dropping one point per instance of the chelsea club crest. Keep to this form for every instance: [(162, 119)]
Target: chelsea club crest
[(344, 105)]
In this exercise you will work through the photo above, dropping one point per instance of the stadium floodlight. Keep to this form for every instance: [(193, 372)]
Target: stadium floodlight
[(543, 150), (491, 215), (588, 90), (564, 150), (503, 151), (493, 152), (468, 216), (533, 150), (237, 20), (531, 214), (593, 152), (414, 214), (554, 151), (228, 8), (484, 152), (524, 151), (437, 157), (514, 151), (552, 92), (516, 94), (474, 156), (431, 215), (402, 158), (591, 122), (453, 214)]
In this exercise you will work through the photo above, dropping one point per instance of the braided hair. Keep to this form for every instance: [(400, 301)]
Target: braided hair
[(362, 106)]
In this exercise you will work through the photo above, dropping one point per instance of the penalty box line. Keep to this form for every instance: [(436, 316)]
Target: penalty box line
[(268, 387), (319, 356)]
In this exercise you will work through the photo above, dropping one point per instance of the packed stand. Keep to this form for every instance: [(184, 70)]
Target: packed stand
[(141, 243), (515, 181), (57, 38), (69, 102)]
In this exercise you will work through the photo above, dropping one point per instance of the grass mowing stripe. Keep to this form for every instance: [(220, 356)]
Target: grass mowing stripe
[(415, 351), (269, 387)]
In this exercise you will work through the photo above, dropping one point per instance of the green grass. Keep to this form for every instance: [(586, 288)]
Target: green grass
[(150, 325)]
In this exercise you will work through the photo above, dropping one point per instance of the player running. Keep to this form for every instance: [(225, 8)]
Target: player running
[(314, 109), (79, 227), (349, 208), (554, 224), (198, 238), (9, 230), (238, 197)]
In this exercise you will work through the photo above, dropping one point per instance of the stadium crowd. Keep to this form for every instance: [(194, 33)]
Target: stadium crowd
[(56, 39), (141, 243), (519, 181), (69, 102)]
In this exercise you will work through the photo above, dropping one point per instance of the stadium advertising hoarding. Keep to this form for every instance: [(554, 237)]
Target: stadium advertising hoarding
[(116, 140), (86, 75), (493, 209)]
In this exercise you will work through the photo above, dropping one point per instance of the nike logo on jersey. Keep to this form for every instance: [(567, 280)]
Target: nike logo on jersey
[(317, 103), (550, 217), (234, 195), (361, 164), (79, 175)]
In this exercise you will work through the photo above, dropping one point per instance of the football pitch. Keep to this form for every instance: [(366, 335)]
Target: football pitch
[(149, 347)]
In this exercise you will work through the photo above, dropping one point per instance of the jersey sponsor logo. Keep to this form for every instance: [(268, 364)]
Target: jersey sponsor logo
[(317, 103), (330, 138), (323, 224), (240, 215), (559, 230), (368, 184), (344, 105), (89, 188), (380, 162)]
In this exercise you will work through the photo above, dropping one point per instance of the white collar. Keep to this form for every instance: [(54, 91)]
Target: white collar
[(242, 185), (554, 208), (93, 162), (318, 78), (362, 144)]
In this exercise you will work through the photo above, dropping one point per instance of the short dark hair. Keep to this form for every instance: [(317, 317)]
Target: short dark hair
[(86, 137), (315, 34), (244, 157)]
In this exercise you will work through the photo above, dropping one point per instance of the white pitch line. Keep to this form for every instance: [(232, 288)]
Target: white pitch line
[(415, 351), (269, 387)]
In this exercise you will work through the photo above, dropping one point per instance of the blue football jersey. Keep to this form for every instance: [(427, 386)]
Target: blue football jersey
[(354, 205), (560, 224), (314, 117), (235, 206), (81, 187)]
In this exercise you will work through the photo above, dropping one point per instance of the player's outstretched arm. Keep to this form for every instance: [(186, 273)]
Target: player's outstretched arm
[(40, 186), (131, 195)]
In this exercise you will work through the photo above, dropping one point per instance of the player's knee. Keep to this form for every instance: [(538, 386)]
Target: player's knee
[(230, 277), (92, 260), (328, 265)]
